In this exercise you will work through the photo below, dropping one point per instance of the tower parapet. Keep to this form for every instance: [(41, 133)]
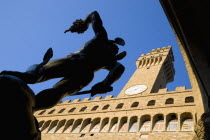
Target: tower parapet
[(154, 71), (157, 57)]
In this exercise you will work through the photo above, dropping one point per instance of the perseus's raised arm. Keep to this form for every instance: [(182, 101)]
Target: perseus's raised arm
[(97, 24), (80, 26)]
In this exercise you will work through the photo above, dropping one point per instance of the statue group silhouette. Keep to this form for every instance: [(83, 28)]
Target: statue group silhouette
[(76, 70)]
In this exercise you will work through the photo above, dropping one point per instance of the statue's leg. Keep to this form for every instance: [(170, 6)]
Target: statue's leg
[(65, 87), (29, 78), (17, 102)]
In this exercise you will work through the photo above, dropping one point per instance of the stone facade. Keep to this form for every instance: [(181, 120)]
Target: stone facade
[(153, 114)]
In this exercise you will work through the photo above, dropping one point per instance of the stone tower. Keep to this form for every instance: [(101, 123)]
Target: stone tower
[(144, 109), (154, 71)]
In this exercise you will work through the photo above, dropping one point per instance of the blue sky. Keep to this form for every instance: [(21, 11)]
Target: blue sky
[(29, 28)]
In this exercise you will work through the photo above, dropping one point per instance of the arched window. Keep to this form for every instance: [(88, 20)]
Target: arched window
[(145, 123), (42, 112), (113, 125), (76, 126), (85, 127), (169, 101), (105, 107), (122, 125), (171, 122), (95, 108), (61, 110), (60, 126), (135, 104), (72, 110), (51, 111), (187, 121), (133, 126), (83, 109), (41, 123), (189, 99), (158, 121), (45, 126), (104, 125), (95, 125), (52, 126), (119, 106), (151, 103), (68, 126)]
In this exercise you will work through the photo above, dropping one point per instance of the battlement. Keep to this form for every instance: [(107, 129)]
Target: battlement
[(162, 101), (155, 57), (111, 97), (159, 50)]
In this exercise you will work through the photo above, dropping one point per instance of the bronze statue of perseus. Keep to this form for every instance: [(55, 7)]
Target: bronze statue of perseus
[(77, 69)]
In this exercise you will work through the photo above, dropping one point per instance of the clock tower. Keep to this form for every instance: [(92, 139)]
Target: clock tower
[(154, 71)]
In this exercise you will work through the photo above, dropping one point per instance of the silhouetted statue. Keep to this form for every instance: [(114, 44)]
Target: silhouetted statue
[(77, 69), (18, 101)]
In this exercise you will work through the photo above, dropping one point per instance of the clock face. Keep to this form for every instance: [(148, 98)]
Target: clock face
[(135, 89)]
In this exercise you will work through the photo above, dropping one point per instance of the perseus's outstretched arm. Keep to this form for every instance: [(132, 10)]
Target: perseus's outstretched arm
[(93, 18), (97, 24)]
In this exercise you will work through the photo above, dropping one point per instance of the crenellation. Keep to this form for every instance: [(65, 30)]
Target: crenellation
[(160, 50), (149, 61), (163, 90), (66, 101), (160, 101), (86, 99), (181, 88), (97, 98), (155, 57), (76, 100), (108, 97)]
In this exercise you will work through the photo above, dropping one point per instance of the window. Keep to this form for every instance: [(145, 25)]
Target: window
[(158, 121), (83, 109), (135, 104), (61, 110), (172, 122), (119, 106), (42, 112), (151, 103), (187, 123), (72, 110), (51, 111), (94, 108), (133, 124), (169, 101), (189, 99), (105, 107)]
